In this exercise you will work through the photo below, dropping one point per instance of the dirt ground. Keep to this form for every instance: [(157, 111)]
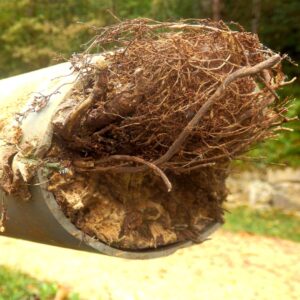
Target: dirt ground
[(230, 266)]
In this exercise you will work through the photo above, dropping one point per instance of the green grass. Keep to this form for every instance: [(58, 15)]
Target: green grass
[(18, 286), (285, 149), (272, 223)]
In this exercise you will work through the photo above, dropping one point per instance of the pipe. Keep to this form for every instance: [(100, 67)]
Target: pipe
[(40, 219)]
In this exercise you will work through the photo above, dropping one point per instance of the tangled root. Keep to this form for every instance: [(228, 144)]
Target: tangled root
[(173, 104), (148, 94)]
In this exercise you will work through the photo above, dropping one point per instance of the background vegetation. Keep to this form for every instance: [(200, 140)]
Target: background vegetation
[(18, 286), (38, 33), (273, 223), (34, 32)]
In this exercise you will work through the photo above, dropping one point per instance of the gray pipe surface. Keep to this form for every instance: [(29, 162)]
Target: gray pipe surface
[(41, 219)]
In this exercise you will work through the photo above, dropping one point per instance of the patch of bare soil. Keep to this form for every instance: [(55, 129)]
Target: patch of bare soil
[(230, 266)]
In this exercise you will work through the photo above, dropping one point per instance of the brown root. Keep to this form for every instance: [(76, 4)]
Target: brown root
[(177, 99), (171, 106), (177, 95)]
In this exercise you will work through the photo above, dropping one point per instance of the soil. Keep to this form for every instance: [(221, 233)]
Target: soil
[(230, 266), (134, 211), (129, 119)]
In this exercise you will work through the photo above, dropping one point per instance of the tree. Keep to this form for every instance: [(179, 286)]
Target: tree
[(216, 9), (33, 32), (255, 15)]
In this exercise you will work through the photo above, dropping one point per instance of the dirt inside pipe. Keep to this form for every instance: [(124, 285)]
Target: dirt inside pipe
[(160, 113), (135, 211), (142, 143)]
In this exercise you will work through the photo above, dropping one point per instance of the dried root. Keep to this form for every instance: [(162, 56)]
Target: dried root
[(177, 99), (177, 95), (147, 134)]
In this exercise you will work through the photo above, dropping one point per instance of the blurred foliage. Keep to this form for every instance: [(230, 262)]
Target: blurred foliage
[(36, 33), (33, 33), (273, 223), (18, 286), (285, 148)]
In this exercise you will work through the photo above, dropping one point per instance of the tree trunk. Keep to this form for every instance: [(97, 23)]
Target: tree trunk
[(216, 9), (255, 15), (114, 6)]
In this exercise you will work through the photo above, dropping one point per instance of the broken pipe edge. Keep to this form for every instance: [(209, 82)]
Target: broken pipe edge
[(103, 248), (42, 220)]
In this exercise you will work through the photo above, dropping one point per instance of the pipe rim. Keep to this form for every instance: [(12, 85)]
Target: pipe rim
[(109, 250)]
